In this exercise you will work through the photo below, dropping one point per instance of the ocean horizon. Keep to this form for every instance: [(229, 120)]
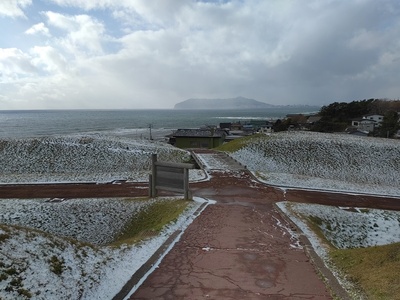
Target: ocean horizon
[(128, 122)]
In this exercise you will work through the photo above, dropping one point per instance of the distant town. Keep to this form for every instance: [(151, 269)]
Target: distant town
[(372, 117)]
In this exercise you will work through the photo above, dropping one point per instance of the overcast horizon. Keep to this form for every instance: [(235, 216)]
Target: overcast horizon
[(141, 54)]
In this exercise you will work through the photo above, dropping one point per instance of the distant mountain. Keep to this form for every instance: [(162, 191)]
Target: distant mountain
[(230, 103)]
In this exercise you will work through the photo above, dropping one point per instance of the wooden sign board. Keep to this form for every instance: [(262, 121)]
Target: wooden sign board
[(172, 177)]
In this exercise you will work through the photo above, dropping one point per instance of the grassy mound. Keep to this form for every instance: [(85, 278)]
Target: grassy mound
[(150, 221), (327, 156), (99, 221), (240, 143), (80, 158), (375, 270), (46, 251)]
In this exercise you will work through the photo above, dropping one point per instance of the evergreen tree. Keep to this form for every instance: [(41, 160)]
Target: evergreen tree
[(390, 124), (282, 125)]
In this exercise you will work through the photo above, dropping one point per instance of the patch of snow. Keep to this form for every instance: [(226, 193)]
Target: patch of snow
[(50, 267), (211, 161), (344, 228), (357, 228), (294, 238), (87, 158), (197, 175), (95, 221), (325, 161)]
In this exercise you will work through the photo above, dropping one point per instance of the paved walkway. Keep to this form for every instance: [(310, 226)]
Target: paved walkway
[(239, 248), (212, 161)]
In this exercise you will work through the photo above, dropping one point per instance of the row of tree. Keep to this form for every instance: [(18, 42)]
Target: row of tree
[(337, 116)]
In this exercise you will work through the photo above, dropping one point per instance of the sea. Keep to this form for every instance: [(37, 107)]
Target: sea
[(145, 123)]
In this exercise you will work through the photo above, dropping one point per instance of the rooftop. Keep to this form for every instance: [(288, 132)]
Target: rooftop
[(199, 133)]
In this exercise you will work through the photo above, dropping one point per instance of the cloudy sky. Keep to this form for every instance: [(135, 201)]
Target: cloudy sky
[(153, 54)]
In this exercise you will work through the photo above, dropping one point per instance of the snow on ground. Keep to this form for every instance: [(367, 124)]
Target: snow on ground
[(218, 161), (55, 249), (95, 221), (94, 158), (45, 266), (344, 228), (325, 161), (351, 228), (211, 161)]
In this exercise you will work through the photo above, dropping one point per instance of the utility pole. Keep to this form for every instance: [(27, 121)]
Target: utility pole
[(150, 126)]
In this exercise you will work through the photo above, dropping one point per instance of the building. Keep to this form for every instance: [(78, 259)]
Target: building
[(225, 126), (364, 124), (357, 132), (313, 119), (368, 123), (377, 118), (267, 128), (197, 138)]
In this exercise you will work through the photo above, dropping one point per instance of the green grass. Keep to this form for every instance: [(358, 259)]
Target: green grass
[(374, 270), (239, 143), (150, 221)]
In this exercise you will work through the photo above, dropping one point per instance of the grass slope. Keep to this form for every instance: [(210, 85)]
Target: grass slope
[(375, 270), (47, 261), (240, 143), (80, 158), (372, 161), (150, 221), (372, 271)]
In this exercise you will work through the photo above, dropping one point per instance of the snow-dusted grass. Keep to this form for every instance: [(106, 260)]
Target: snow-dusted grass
[(45, 266), (345, 228), (325, 161), (353, 228), (82, 158), (57, 248), (95, 221)]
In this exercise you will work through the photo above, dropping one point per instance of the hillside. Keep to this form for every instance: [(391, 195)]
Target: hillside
[(81, 158), (326, 161), (231, 103), (39, 262)]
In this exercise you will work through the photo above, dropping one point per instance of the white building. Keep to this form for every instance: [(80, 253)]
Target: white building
[(368, 123), (377, 118)]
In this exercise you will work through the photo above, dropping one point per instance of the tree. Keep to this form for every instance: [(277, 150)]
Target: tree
[(340, 112), (381, 106), (282, 125), (390, 124)]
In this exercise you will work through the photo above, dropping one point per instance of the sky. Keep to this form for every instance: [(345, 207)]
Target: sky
[(133, 54)]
